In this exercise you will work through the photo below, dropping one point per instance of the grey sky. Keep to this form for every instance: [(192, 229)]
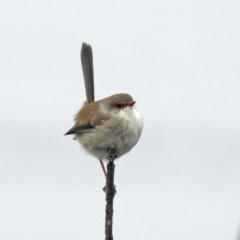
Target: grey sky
[(180, 60)]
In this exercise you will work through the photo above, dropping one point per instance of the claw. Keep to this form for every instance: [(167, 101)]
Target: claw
[(112, 154)]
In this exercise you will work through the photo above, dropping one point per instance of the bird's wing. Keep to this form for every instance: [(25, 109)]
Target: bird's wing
[(79, 129), (87, 119)]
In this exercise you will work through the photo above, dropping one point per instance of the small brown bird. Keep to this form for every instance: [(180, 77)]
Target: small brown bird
[(112, 122)]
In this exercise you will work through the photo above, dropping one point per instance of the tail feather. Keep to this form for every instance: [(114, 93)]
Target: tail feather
[(87, 67)]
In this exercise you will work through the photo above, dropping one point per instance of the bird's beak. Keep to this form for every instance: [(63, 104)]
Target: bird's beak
[(130, 103)]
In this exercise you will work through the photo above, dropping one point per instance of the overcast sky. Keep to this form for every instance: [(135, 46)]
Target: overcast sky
[(180, 60)]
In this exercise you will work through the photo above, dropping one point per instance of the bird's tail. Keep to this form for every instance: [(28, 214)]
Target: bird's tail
[(87, 67)]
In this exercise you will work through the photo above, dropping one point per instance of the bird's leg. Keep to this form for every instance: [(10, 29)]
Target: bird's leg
[(111, 157), (103, 168), (112, 154)]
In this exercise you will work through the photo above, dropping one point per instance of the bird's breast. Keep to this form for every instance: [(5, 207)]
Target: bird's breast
[(126, 128), (122, 131)]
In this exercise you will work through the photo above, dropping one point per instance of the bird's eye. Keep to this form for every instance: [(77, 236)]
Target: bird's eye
[(119, 106)]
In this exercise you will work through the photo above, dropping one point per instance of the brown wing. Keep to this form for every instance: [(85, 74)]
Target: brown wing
[(87, 118), (79, 129)]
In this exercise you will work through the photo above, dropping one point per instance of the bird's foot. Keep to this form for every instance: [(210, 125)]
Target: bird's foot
[(112, 154)]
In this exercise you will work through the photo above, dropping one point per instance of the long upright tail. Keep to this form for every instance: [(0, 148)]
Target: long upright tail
[(87, 67)]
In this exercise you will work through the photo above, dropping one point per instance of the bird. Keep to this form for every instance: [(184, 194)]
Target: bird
[(107, 124), (112, 122)]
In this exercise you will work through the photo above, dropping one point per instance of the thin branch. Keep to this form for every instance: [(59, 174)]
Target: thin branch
[(110, 193)]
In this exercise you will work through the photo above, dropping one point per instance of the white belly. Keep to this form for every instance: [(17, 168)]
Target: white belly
[(122, 131)]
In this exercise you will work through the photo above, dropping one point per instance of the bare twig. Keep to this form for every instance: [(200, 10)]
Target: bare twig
[(110, 193)]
